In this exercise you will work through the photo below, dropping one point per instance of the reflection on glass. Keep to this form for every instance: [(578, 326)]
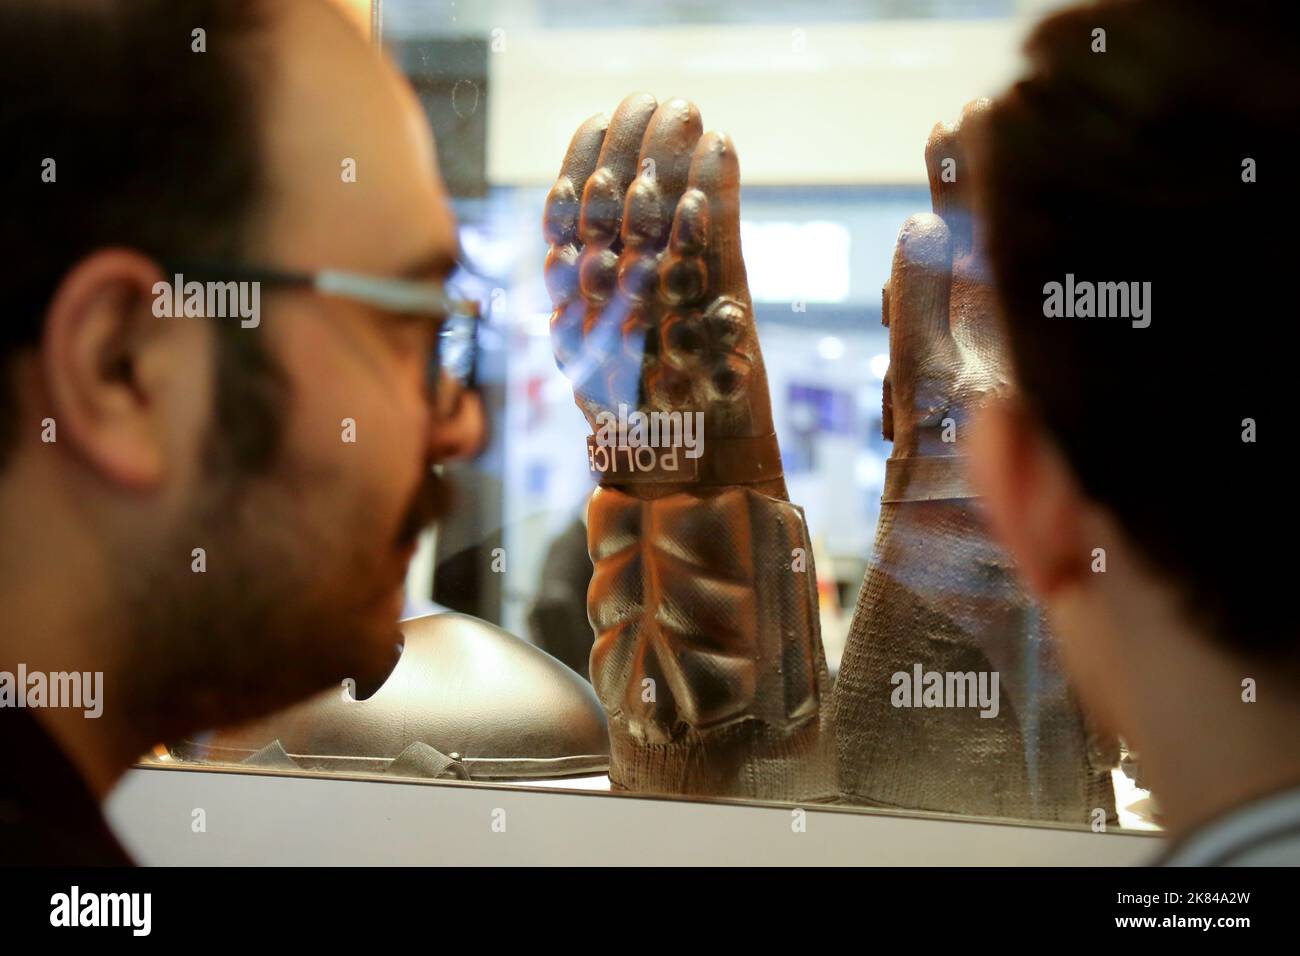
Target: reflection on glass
[(514, 554)]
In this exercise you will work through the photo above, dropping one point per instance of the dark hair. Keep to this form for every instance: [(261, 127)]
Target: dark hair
[(156, 147), (1130, 165)]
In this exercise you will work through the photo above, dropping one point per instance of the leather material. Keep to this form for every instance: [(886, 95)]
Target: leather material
[(708, 653), (702, 656), (466, 699), (939, 593), (730, 461), (936, 478)]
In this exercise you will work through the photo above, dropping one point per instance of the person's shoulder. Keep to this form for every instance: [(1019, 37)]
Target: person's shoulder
[(1281, 851), (47, 815), (1263, 832), (35, 842)]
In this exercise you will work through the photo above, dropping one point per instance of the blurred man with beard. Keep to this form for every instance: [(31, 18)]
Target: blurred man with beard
[(128, 441)]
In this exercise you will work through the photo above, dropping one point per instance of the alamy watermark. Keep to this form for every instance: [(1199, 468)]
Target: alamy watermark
[(217, 300), (133, 911), (923, 688), (637, 445), (81, 690), (1098, 300)]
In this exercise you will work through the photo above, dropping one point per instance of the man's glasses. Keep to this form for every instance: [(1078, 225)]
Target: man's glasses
[(456, 348)]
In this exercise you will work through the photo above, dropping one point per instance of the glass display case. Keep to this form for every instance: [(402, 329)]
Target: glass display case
[(849, 648)]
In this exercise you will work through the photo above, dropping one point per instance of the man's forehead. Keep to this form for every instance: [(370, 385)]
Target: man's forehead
[(351, 166)]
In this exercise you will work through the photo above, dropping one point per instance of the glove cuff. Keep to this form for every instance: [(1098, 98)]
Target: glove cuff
[(721, 461), (748, 759), (926, 478)]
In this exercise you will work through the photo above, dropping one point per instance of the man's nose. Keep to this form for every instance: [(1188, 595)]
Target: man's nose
[(459, 424)]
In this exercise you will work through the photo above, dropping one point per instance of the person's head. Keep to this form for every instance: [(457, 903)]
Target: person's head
[(295, 452), (1149, 145)]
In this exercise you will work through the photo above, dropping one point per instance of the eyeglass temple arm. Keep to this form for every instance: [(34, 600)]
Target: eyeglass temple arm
[(396, 295)]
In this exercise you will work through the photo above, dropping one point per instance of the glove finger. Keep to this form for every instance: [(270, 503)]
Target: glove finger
[(606, 189), (600, 220), (887, 386), (560, 217), (710, 333), (560, 229), (920, 285), (663, 166), (662, 170), (947, 165), (715, 172)]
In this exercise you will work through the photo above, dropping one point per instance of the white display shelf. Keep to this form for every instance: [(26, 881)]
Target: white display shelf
[(301, 819)]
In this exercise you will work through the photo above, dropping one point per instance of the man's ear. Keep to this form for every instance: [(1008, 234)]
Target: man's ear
[(98, 368), (1033, 503)]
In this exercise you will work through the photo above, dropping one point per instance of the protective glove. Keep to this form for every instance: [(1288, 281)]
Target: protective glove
[(939, 595), (707, 654)]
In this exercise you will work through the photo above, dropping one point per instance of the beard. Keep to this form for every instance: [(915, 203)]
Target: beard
[(286, 607), (297, 592)]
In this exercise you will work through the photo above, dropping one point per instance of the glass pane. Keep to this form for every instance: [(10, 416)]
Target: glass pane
[(803, 599)]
